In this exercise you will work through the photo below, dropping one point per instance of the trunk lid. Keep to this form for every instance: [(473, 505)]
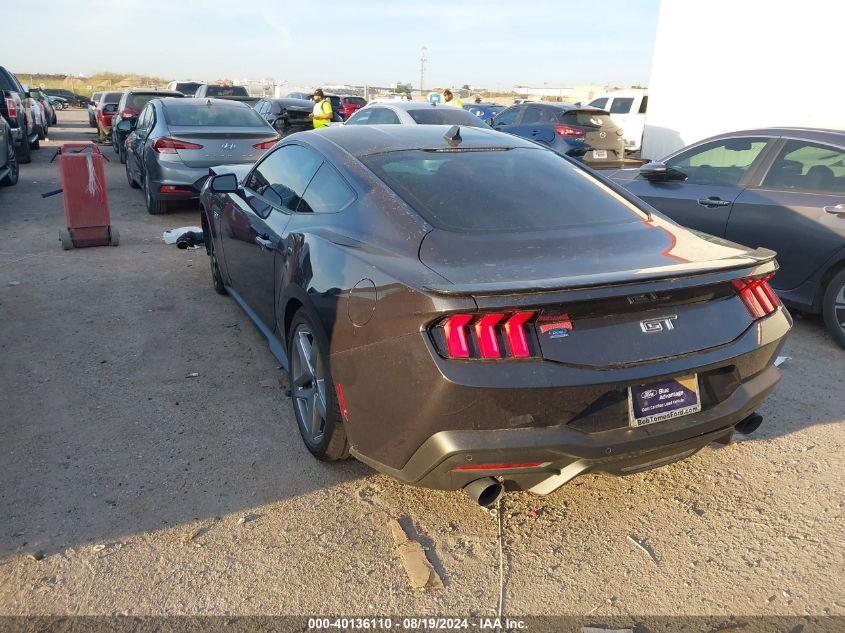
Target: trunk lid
[(220, 145), (604, 296)]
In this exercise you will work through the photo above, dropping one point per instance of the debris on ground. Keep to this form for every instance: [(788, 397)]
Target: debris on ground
[(98, 548), (420, 571), (14, 283), (247, 518), (196, 533), (171, 236), (633, 540), (36, 556), (780, 360), (193, 374)]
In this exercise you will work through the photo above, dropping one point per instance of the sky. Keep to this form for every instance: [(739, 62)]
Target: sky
[(492, 43)]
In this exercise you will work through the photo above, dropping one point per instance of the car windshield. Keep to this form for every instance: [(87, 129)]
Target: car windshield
[(499, 190), (212, 115), (445, 115), (226, 91)]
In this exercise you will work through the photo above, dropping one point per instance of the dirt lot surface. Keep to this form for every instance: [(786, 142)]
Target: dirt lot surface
[(130, 487)]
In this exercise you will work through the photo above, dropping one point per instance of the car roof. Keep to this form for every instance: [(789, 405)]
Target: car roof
[(362, 140), (152, 91), (821, 135)]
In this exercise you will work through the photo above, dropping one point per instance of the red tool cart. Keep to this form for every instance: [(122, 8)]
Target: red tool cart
[(85, 202)]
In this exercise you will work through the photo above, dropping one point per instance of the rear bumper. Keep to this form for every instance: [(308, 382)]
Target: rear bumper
[(566, 453), (171, 174), (418, 420)]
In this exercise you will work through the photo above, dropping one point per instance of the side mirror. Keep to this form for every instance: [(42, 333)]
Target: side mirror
[(656, 171), (126, 125), (225, 183)]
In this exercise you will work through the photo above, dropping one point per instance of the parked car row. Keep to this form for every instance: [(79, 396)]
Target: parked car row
[(27, 116)]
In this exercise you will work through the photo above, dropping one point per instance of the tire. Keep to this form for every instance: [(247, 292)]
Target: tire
[(42, 132), (24, 153), (121, 154), (129, 177), (11, 178), (216, 275), (324, 436), (114, 236), (154, 207), (114, 145), (65, 239), (833, 307)]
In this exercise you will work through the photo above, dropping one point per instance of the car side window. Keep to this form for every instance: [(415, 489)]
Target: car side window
[(720, 163), (362, 117), (383, 116), (621, 105), (537, 114), (806, 166), (506, 117), (143, 125), (327, 193), (599, 103), (282, 176), (644, 105)]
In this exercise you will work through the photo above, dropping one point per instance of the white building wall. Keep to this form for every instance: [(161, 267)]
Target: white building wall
[(726, 65)]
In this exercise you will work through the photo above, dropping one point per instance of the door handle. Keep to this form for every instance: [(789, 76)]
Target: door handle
[(535, 132), (713, 201), (263, 242), (836, 209)]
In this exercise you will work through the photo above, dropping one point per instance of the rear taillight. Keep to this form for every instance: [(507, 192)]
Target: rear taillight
[(757, 295), (486, 336), (568, 130), (12, 107), (168, 145), (266, 144)]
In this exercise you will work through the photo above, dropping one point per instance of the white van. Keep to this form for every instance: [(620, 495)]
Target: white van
[(627, 109)]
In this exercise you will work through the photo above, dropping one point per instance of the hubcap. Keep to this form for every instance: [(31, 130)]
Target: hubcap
[(309, 385), (13, 162), (839, 307)]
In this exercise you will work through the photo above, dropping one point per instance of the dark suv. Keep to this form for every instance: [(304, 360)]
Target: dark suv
[(72, 97), (16, 107), (586, 133), (129, 107)]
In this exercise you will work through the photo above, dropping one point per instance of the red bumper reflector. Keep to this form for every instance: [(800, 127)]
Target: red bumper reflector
[(173, 189), (341, 400), (456, 337), (501, 466)]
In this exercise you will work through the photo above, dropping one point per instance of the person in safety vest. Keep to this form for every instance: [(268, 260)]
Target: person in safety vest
[(449, 99), (322, 113)]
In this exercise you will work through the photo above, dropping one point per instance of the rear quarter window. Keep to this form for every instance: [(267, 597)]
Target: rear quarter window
[(327, 193), (621, 105)]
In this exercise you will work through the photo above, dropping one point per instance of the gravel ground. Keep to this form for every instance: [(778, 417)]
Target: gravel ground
[(143, 491)]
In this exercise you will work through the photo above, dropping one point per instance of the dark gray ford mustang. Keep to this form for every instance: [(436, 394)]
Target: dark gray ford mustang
[(460, 308)]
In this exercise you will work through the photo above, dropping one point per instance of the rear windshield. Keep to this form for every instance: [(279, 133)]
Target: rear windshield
[(111, 97), (213, 115), (499, 190), (445, 115), (355, 101), (188, 89), (139, 100), (226, 91), (585, 118)]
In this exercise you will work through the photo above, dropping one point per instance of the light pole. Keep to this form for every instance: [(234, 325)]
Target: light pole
[(423, 60)]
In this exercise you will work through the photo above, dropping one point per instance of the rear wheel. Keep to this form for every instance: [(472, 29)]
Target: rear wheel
[(313, 394), (24, 152), (42, 132), (216, 276), (129, 177), (833, 307), (154, 207), (14, 171)]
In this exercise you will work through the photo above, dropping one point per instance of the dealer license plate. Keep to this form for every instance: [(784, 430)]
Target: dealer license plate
[(600, 154), (663, 400)]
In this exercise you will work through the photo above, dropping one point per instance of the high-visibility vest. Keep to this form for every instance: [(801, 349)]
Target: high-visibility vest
[(454, 102), (325, 107)]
